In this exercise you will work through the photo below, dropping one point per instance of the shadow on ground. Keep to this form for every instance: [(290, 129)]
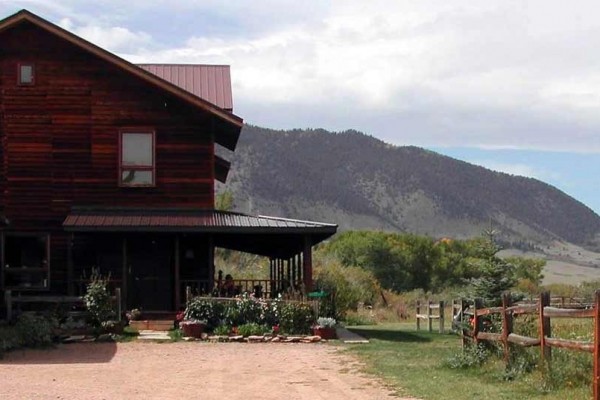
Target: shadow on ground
[(75, 353), (390, 335)]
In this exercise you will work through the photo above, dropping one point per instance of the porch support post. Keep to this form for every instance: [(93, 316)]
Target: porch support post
[(299, 267), (177, 275), (124, 273), (307, 264), (293, 265), (289, 272), (211, 264), (70, 244)]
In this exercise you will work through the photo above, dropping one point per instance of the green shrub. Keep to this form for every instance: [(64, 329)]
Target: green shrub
[(205, 310), (346, 286), (9, 339), (470, 357), (250, 310), (34, 331), (296, 318), (222, 330), (252, 329), (97, 300)]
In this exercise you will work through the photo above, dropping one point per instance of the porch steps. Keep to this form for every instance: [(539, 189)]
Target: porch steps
[(162, 325), (153, 335)]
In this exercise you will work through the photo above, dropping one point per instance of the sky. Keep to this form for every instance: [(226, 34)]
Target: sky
[(511, 85)]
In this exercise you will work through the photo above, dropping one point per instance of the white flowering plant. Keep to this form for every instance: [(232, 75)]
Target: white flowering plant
[(324, 322)]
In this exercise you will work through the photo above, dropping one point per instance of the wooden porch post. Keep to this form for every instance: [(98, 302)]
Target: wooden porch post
[(289, 272), (299, 267), (280, 273), (293, 262), (70, 244), (307, 264), (177, 275), (124, 273), (211, 264)]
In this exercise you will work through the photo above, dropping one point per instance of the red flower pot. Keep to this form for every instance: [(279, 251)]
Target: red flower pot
[(192, 329), (325, 333)]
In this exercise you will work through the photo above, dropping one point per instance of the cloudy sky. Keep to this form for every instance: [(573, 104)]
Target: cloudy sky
[(513, 85)]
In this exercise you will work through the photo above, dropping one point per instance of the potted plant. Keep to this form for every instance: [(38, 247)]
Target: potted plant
[(135, 319), (325, 328), (192, 328)]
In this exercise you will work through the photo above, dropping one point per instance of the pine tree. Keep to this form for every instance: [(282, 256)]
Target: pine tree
[(496, 275)]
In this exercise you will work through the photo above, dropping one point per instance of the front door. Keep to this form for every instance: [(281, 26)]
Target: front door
[(150, 265)]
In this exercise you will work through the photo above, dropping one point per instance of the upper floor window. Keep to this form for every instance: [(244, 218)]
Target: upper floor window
[(136, 164), (26, 74)]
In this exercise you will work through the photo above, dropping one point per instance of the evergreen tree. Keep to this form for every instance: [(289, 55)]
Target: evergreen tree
[(496, 275)]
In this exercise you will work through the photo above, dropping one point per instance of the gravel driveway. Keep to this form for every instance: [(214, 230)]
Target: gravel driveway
[(186, 370)]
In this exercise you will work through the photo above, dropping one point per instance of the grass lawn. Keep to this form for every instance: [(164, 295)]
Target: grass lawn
[(413, 362)]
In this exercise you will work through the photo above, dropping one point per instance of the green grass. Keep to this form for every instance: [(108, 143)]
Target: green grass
[(412, 362)]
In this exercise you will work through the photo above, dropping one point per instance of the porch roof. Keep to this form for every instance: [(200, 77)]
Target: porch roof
[(268, 236)]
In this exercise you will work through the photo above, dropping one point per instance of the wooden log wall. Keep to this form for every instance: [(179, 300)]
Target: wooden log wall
[(59, 139)]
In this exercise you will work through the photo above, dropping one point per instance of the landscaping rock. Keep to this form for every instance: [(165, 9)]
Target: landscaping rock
[(256, 339), (238, 338)]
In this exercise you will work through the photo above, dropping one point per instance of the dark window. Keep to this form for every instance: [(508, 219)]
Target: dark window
[(26, 74), (26, 261), (136, 164)]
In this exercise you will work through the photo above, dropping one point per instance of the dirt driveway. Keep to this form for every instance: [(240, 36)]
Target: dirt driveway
[(186, 370)]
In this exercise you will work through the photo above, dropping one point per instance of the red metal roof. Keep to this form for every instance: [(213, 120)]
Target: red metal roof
[(124, 219), (209, 82)]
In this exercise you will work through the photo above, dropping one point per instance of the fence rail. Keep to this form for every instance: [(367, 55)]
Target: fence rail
[(545, 310)]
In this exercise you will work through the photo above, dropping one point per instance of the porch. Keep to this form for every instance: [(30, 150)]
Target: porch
[(157, 257)]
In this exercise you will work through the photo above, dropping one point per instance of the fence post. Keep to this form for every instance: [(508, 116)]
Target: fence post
[(463, 337), (545, 331), (441, 314), (418, 315), (507, 326), (478, 304), (8, 302), (118, 301), (596, 381), (429, 320)]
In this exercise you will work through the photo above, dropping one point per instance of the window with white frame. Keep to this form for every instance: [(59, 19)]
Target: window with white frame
[(137, 164), (26, 74)]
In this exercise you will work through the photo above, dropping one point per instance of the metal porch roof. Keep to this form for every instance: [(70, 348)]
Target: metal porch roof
[(126, 219), (267, 236)]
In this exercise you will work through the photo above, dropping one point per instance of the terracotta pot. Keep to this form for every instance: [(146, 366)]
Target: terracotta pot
[(325, 332), (192, 329)]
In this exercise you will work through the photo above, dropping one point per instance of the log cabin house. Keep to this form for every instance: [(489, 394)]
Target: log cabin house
[(110, 165)]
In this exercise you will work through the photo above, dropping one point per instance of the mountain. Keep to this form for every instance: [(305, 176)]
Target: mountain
[(360, 182)]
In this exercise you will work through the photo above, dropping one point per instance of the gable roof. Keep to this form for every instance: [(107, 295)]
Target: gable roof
[(230, 125), (209, 82)]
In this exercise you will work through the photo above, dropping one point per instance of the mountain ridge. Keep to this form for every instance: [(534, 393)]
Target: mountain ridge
[(360, 182)]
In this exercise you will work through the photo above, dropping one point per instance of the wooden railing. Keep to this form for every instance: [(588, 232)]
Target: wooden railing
[(260, 287), (476, 331), (10, 301)]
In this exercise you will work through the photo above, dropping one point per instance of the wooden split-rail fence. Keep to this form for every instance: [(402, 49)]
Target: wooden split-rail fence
[(473, 323)]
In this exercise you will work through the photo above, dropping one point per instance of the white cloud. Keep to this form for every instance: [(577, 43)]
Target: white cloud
[(113, 38), (499, 73)]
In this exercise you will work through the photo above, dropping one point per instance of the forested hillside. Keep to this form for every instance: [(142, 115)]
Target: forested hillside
[(358, 182)]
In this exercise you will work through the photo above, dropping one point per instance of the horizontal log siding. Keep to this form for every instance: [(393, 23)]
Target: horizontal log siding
[(60, 139)]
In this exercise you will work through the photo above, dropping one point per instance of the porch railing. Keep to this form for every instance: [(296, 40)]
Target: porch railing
[(266, 288)]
